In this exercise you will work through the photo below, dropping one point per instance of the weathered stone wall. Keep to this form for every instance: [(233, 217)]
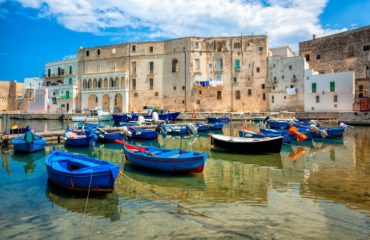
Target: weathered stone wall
[(340, 53)]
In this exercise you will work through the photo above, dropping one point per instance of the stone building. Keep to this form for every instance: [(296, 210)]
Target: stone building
[(10, 95), (61, 81), (285, 80), (186, 74), (346, 51)]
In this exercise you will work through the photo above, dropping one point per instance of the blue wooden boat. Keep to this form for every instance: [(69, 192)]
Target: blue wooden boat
[(20, 144), (109, 135), (85, 125), (78, 172), (79, 139), (287, 138), (202, 127), (216, 126), (285, 133), (278, 124), (162, 115), (137, 133), (167, 160), (218, 120)]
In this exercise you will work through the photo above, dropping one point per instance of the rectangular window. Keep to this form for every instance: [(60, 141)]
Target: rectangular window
[(332, 86), (197, 64), (235, 79), (151, 67), (133, 48), (196, 44), (258, 69), (260, 49), (98, 51), (87, 53), (264, 96), (218, 95), (218, 78), (237, 65), (134, 84), (272, 99), (49, 72), (313, 87), (156, 94), (151, 83), (307, 56), (263, 86), (335, 98), (218, 64), (318, 57), (151, 49), (70, 69), (133, 67), (366, 48), (237, 45), (249, 92), (237, 95), (67, 94), (290, 67), (317, 99), (70, 81)]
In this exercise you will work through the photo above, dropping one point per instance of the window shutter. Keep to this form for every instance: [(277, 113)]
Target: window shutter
[(313, 87), (332, 86)]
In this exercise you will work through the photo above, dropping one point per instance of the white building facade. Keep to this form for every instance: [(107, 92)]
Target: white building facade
[(61, 82), (330, 92), (285, 80)]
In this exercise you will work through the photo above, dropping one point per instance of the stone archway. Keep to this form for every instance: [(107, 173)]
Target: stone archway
[(92, 102), (117, 103), (106, 102)]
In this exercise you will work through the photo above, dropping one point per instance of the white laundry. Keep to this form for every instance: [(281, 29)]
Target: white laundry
[(291, 91)]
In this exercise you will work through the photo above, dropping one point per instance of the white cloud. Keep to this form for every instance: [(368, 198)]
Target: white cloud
[(285, 21)]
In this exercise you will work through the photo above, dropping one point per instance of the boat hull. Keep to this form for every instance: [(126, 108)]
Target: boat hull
[(164, 164), (221, 119), (99, 179), (268, 145), (21, 146), (110, 137)]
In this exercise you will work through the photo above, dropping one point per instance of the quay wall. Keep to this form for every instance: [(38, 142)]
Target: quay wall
[(355, 118)]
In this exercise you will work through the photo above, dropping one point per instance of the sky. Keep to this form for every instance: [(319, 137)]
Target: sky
[(34, 32)]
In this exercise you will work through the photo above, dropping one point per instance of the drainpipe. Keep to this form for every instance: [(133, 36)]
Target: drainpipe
[(129, 77), (185, 78)]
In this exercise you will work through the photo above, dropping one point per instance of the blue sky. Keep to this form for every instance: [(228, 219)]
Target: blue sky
[(34, 32)]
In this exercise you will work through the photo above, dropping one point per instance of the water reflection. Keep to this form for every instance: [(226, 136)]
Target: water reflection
[(29, 160), (106, 205), (5, 160)]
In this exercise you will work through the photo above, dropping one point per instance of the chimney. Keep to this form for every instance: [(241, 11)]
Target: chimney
[(314, 36)]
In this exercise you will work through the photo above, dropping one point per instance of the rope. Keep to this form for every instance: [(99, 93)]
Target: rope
[(87, 200), (198, 213)]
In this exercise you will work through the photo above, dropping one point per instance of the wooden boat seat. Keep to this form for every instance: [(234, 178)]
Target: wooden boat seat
[(169, 153)]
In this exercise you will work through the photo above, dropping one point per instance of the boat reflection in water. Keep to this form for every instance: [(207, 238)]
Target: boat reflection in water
[(29, 160), (180, 181), (106, 205)]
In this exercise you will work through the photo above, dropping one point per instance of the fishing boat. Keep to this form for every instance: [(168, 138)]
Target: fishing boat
[(332, 132), (216, 126), (98, 115), (167, 160), (218, 120), (243, 132), (247, 145), (21, 144), (75, 138), (179, 129), (202, 127), (258, 119), (285, 133), (78, 172), (138, 133), (163, 115), (81, 125), (109, 135)]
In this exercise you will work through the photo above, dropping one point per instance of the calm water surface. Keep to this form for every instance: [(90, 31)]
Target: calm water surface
[(319, 190)]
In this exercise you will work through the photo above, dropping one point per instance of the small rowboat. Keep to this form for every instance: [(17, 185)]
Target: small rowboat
[(109, 135), (243, 132), (78, 172), (79, 139), (247, 145), (221, 119), (202, 127), (216, 126), (136, 133), (20, 144), (167, 160)]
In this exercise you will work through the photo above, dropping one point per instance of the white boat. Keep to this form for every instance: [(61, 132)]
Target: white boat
[(97, 116)]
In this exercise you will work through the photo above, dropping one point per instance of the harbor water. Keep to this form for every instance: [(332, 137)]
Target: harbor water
[(311, 190)]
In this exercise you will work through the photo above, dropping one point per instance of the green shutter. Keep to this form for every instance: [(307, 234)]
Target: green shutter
[(332, 86), (313, 87), (237, 64), (70, 80), (67, 94), (70, 69)]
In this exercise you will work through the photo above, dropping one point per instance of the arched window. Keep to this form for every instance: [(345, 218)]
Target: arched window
[(89, 85), (175, 65), (99, 83), (84, 85)]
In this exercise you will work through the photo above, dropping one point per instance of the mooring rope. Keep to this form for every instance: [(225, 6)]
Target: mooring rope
[(198, 213), (87, 201)]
